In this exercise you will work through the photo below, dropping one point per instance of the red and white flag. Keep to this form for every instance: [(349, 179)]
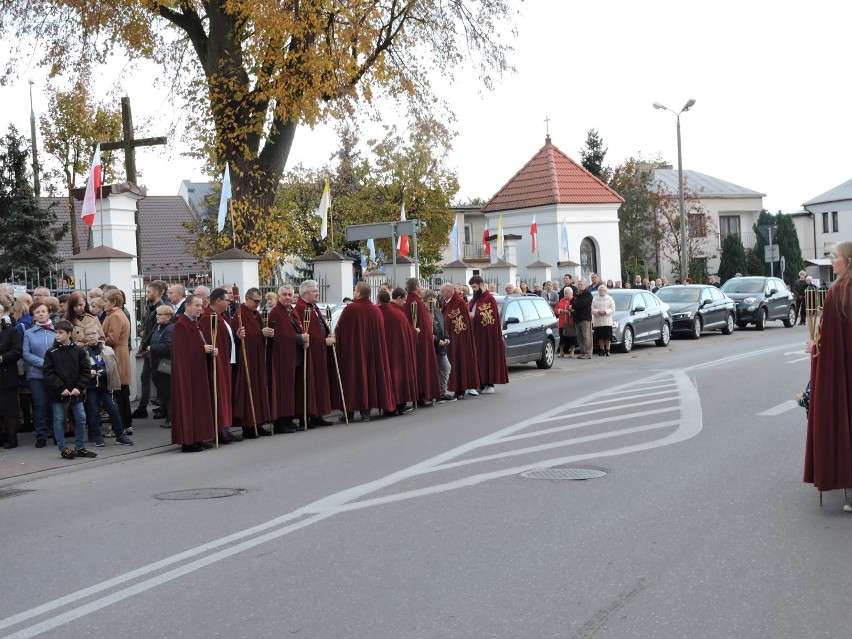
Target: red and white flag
[(95, 182), (402, 242), (485, 243), (534, 235)]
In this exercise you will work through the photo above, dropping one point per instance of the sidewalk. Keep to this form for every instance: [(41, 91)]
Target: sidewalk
[(148, 438)]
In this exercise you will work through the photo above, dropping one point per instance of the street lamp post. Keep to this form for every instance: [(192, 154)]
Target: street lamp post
[(36, 184), (684, 253)]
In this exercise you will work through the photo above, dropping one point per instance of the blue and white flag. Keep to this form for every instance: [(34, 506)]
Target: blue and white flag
[(565, 245), (454, 239), (371, 246), (223, 199)]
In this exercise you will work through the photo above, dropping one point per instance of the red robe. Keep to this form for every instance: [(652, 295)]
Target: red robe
[(401, 340), (828, 449), (250, 349), (284, 353), (488, 335), (428, 382), (461, 350), (363, 358), (224, 390), (318, 355), (190, 412)]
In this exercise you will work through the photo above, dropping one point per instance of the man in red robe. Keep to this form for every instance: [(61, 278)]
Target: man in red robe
[(213, 319), (464, 375), (488, 335), (191, 413), (401, 341), (319, 397), (363, 357), (286, 353), (251, 398), (428, 382)]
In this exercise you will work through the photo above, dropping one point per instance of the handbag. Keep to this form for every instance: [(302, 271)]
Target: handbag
[(164, 366)]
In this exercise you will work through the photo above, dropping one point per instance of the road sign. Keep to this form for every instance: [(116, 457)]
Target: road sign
[(783, 265), (765, 230), (771, 253)]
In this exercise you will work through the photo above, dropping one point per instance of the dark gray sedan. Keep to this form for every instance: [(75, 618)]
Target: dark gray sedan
[(640, 316), (699, 307), (530, 329)]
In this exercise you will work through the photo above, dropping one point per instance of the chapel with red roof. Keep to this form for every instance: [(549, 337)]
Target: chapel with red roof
[(576, 215)]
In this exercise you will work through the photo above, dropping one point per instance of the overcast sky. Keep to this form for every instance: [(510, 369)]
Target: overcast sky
[(771, 111)]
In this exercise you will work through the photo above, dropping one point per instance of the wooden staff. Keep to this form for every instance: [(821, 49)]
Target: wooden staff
[(814, 300), (414, 317), (214, 331), (248, 375), (432, 309), (337, 367), (305, 337)]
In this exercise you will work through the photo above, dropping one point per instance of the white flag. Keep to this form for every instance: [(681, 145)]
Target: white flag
[(565, 238), (454, 239), (371, 246), (223, 199), (323, 209)]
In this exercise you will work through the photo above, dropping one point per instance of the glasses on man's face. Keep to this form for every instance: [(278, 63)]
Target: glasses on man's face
[(252, 299)]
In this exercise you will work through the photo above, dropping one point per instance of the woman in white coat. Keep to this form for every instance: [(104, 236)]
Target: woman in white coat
[(603, 306)]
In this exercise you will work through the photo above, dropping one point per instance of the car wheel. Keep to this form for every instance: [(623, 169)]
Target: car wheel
[(696, 328), (729, 325), (547, 355), (790, 320), (762, 316), (665, 336), (627, 340)]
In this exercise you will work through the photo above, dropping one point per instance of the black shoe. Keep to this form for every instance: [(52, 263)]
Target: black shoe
[(248, 433), (10, 445), (390, 413), (166, 424), (458, 396), (423, 403), (159, 413), (262, 432), (449, 398), (606, 353), (365, 415), (205, 445), (40, 443), (285, 429), (191, 448), (140, 412), (319, 421)]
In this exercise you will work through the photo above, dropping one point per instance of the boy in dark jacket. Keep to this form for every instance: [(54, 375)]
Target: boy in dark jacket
[(66, 371)]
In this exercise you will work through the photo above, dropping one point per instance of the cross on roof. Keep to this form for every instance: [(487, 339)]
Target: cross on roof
[(547, 125)]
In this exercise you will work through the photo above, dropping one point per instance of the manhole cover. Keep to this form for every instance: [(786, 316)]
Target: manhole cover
[(563, 473), (11, 492), (200, 493)]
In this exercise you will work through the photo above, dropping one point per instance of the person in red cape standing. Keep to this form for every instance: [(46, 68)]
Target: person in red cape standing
[(316, 358), (285, 353), (464, 374), (488, 335), (428, 382), (363, 356), (251, 397), (225, 362), (401, 340), (191, 405), (828, 449)]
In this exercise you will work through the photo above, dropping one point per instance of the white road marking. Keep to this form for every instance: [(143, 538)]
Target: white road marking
[(690, 425), (777, 410), (799, 359)]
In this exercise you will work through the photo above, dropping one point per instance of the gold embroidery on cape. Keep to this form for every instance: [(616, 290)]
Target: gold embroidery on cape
[(486, 314)]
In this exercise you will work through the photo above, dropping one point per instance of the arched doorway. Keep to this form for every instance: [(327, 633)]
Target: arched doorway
[(588, 258)]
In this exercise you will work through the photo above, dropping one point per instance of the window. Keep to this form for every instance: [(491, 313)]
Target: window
[(530, 314), (468, 234), (697, 226), (588, 258), (728, 225), (825, 222), (649, 300), (706, 296), (834, 221), (513, 310)]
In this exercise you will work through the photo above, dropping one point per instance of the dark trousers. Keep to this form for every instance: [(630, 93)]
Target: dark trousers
[(95, 399), (122, 398), (163, 384), (145, 383), (801, 309)]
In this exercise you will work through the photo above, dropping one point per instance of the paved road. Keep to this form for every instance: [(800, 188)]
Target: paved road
[(422, 526)]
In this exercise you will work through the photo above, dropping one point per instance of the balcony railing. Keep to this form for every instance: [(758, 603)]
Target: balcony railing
[(475, 251)]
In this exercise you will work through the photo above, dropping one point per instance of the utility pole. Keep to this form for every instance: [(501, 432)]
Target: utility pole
[(36, 184)]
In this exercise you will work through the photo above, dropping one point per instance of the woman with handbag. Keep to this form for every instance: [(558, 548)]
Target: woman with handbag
[(117, 336), (567, 329), (160, 352)]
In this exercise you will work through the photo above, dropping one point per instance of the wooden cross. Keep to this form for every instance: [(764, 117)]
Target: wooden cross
[(129, 144)]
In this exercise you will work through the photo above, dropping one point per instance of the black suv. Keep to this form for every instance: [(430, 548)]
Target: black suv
[(761, 299)]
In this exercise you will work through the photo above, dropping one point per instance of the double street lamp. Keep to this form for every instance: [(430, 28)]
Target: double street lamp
[(684, 257)]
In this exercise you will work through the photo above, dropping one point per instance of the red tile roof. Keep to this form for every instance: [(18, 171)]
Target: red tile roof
[(551, 177)]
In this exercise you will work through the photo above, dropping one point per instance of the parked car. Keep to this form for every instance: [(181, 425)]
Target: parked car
[(699, 307), (760, 300), (640, 316), (530, 329)]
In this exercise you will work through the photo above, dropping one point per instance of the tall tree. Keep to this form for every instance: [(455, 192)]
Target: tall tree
[(593, 154), (785, 237), (28, 233), (252, 71), (637, 223), (733, 259), (70, 128)]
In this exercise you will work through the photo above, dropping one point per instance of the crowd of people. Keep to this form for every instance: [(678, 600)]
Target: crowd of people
[(226, 369)]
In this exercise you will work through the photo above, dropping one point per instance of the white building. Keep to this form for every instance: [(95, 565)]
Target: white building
[(576, 215), (732, 209)]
